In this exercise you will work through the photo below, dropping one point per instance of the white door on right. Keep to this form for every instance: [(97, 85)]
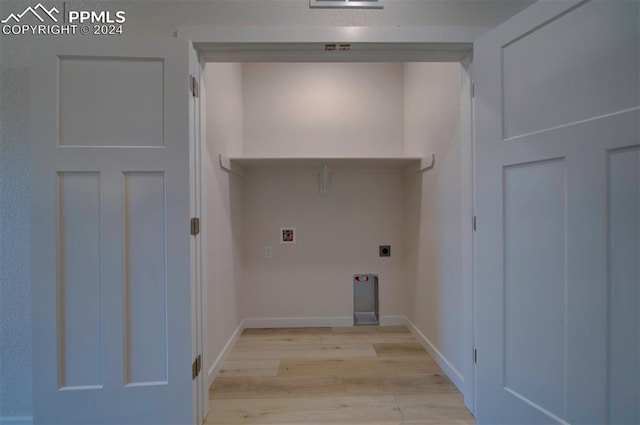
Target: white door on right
[(557, 129)]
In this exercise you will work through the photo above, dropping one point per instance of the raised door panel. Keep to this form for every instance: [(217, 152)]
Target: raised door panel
[(93, 95), (624, 286), (535, 283), (79, 286), (145, 280)]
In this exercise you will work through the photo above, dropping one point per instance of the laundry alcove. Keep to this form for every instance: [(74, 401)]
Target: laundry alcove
[(378, 127)]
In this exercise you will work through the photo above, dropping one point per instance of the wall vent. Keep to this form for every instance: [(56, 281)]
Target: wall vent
[(347, 4)]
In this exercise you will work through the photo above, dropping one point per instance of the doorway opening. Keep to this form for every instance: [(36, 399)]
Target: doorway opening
[(271, 129)]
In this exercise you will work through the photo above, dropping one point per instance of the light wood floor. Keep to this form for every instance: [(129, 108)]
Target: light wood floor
[(363, 375)]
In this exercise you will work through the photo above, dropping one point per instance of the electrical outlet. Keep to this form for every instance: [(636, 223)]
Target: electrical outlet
[(384, 250), (268, 252)]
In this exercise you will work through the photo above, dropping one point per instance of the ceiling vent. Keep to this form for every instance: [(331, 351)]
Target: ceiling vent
[(346, 4)]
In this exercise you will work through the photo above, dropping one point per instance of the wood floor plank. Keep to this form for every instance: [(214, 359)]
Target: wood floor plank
[(399, 384), (371, 338), (304, 352), (346, 335), (277, 340), (369, 329), (356, 367), (287, 331), (399, 349), (439, 421), (400, 422), (325, 339), (275, 386), (418, 422), (250, 368), (435, 407), (366, 409)]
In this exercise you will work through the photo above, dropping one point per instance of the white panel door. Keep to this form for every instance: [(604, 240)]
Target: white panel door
[(111, 244), (557, 243)]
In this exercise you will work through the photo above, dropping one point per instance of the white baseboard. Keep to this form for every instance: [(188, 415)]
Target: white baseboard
[(315, 322), (16, 420), (217, 365), (456, 377), (393, 320), (298, 322)]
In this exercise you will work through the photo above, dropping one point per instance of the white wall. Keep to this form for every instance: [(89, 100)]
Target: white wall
[(337, 236), (323, 109), (157, 18), (333, 110), (434, 212), (222, 222)]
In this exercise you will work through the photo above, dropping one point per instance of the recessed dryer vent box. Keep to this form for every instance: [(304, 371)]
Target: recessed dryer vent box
[(365, 300)]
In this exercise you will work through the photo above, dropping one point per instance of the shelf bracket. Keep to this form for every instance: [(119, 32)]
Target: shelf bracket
[(425, 168), (228, 169)]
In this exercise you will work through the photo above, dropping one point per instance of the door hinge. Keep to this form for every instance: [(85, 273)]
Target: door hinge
[(196, 367), (475, 356), (195, 226), (195, 89), (473, 89), (474, 223)]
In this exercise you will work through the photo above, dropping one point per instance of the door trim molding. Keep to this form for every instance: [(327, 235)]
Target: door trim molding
[(370, 44), (377, 44)]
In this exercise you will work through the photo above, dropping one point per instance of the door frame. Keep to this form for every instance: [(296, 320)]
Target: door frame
[(368, 44), (196, 195)]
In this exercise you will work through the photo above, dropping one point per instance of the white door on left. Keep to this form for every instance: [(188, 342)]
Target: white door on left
[(110, 242)]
